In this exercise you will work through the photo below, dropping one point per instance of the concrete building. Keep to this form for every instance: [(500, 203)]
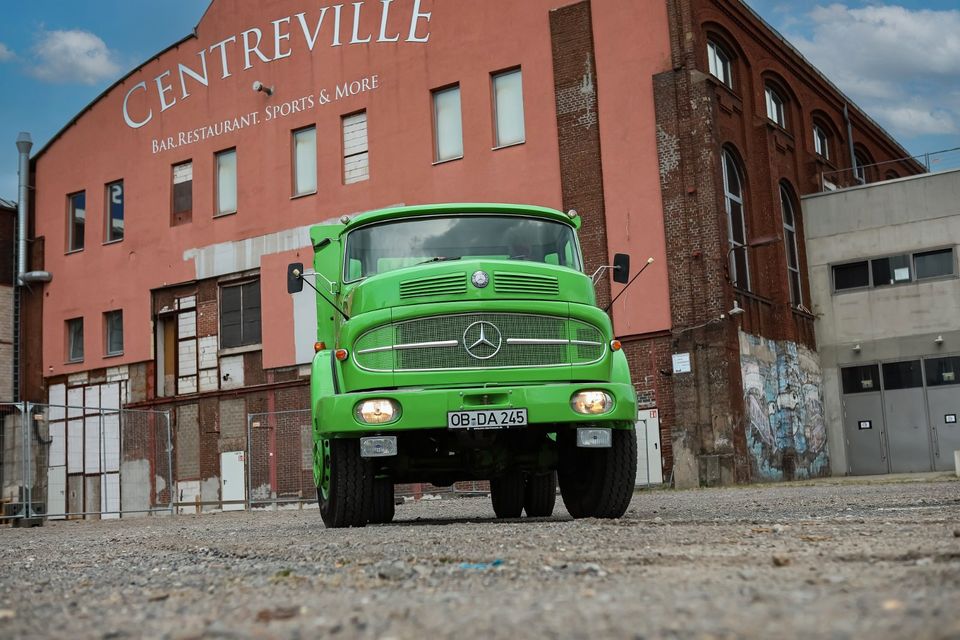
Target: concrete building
[(203, 168), (885, 289)]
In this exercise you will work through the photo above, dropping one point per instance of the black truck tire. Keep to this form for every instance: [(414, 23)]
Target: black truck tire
[(506, 493), (382, 506), (540, 495), (598, 483), (351, 487)]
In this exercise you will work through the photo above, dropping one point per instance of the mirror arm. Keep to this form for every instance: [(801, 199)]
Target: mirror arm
[(627, 286), (320, 293)]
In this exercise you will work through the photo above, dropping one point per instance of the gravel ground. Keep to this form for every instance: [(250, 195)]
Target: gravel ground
[(839, 560)]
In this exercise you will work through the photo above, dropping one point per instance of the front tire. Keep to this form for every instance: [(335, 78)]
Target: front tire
[(598, 483), (506, 493), (540, 495), (346, 486)]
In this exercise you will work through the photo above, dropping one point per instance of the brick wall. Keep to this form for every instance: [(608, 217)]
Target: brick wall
[(578, 133)]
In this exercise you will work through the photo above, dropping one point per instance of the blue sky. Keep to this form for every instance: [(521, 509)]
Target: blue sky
[(900, 61)]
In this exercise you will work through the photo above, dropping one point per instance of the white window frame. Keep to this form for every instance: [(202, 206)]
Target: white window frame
[(776, 107), (719, 63), (107, 332), (790, 237), (821, 142), (729, 164), (71, 345)]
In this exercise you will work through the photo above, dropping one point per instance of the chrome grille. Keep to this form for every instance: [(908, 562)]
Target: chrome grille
[(449, 284), (525, 283), (437, 343)]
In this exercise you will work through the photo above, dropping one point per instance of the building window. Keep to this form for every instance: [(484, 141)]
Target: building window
[(75, 340), (226, 182), (77, 212), (892, 270), (934, 264), (943, 371), (719, 63), (860, 164), (114, 217), (305, 161), (864, 379), (447, 124), (736, 222), (891, 175), (855, 275), (113, 330), (508, 108), (356, 156), (240, 314), (821, 142), (775, 107), (182, 193), (902, 375), (793, 251)]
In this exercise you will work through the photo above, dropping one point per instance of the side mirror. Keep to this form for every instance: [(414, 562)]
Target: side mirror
[(295, 277), (621, 268)]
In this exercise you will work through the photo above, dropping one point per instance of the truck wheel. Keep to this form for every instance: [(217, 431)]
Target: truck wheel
[(598, 483), (540, 495), (506, 493), (345, 487), (382, 506)]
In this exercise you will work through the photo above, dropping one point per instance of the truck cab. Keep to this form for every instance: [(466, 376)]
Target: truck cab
[(463, 342)]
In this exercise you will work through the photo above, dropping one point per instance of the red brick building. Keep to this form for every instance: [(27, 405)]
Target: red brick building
[(168, 209)]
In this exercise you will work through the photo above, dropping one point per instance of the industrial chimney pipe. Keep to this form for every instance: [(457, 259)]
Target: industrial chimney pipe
[(24, 144)]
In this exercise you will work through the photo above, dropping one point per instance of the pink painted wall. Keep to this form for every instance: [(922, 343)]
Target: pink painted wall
[(467, 42)]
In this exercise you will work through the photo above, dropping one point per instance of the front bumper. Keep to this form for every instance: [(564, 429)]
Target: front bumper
[(546, 405)]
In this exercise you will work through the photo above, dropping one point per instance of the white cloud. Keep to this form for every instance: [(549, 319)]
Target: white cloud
[(5, 53), (73, 56), (899, 64)]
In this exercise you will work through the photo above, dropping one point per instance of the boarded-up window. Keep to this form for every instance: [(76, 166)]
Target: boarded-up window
[(447, 124), (227, 182), (240, 314), (356, 158), (305, 161), (182, 193), (508, 105)]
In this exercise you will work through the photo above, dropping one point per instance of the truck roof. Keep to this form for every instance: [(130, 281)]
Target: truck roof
[(460, 207)]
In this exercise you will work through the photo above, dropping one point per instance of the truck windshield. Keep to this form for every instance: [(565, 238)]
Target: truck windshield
[(403, 243)]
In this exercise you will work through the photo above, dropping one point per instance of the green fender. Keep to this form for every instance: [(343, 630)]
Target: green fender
[(323, 384)]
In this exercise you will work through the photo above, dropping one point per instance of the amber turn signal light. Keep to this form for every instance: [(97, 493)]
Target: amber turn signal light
[(341, 354), (319, 346), (615, 345)]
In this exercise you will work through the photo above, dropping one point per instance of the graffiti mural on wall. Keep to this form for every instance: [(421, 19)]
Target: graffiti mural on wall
[(783, 405)]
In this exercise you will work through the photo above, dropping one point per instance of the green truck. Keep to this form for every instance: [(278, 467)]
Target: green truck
[(463, 342)]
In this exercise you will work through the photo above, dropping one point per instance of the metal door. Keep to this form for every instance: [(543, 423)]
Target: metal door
[(943, 403), (232, 487), (56, 492), (908, 433), (649, 462), (863, 420)]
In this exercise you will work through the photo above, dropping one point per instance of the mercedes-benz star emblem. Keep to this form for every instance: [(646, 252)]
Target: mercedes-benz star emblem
[(482, 340), (480, 279)]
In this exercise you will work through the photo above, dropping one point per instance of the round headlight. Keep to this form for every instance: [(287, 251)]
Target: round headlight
[(377, 411), (591, 403)]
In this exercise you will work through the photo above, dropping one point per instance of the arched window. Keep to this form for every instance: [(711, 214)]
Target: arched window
[(776, 110), (821, 141), (892, 175), (736, 222), (719, 62), (790, 242), (862, 163)]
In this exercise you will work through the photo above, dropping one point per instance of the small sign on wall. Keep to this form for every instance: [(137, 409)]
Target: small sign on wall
[(950, 418), (681, 363), (865, 424)]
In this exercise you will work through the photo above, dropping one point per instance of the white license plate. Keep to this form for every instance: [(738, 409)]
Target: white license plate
[(489, 419)]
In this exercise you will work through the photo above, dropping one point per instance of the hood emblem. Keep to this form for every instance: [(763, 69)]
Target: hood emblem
[(482, 340), (480, 279)]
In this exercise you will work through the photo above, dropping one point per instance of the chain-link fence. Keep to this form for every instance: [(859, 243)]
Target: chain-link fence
[(279, 464), (66, 462)]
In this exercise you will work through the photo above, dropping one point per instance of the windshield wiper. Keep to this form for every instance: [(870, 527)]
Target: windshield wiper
[(438, 259)]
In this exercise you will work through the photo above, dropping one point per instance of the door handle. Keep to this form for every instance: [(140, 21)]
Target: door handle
[(936, 442), (883, 447)]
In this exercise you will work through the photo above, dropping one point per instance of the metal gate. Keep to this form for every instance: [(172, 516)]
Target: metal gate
[(66, 462)]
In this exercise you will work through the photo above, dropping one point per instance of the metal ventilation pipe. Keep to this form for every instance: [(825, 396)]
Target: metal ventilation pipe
[(24, 144)]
